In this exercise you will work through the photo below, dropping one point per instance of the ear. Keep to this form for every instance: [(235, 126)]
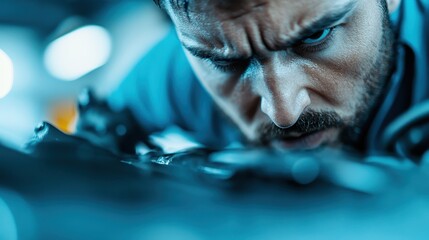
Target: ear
[(393, 5)]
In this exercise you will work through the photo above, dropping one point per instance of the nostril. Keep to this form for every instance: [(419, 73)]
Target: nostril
[(284, 125), (280, 115), (285, 112)]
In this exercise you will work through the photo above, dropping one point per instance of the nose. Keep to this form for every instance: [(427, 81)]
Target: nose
[(283, 92)]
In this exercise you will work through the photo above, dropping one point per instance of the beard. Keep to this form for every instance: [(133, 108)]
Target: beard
[(351, 130)]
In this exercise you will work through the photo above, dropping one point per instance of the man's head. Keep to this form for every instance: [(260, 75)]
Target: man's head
[(291, 73)]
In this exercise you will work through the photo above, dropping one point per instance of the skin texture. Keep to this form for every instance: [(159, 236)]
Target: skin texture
[(254, 59)]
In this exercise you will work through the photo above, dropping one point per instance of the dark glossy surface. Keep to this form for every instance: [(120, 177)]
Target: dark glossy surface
[(67, 188)]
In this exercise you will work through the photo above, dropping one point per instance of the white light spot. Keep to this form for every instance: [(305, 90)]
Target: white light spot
[(6, 74), (78, 53)]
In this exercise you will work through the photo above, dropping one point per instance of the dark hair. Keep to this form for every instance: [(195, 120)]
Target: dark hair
[(157, 2), (177, 4)]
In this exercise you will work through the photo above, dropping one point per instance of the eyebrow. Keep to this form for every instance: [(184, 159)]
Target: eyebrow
[(212, 54), (324, 22)]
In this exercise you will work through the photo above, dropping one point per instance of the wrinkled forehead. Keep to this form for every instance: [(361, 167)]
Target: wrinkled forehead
[(217, 20), (201, 11)]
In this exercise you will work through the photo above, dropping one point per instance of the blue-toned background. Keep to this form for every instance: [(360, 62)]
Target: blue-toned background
[(51, 49)]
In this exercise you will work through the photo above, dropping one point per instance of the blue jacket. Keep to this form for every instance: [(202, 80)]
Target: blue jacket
[(162, 90)]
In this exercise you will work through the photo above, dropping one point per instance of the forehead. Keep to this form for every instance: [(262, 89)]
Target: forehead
[(215, 22), (187, 11)]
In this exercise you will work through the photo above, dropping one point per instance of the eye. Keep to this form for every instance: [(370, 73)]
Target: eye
[(317, 37), (230, 66)]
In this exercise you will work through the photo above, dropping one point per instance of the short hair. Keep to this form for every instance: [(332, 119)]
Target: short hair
[(158, 2), (180, 4), (184, 4)]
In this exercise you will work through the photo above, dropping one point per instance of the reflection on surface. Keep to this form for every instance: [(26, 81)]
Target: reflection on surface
[(6, 74), (74, 188)]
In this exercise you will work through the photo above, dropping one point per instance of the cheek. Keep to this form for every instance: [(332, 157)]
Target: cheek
[(221, 86), (211, 82), (355, 55), (232, 93), (342, 71)]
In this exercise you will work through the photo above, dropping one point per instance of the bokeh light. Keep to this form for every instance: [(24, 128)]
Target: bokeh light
[(77, 53), (6, 74)]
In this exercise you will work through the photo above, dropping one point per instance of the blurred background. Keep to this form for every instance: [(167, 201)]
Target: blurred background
[(51, 49)]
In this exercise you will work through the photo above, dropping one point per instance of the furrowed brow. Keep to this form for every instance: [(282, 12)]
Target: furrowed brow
[(178, 5), (324, 22), (212, 55)]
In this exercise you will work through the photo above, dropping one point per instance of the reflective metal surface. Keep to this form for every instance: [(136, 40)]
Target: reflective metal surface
[(69, 188)]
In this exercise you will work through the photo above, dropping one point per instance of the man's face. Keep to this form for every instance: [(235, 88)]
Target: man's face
[(294, 74)]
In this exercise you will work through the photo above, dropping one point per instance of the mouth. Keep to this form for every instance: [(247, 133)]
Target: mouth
[(304, 141)]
